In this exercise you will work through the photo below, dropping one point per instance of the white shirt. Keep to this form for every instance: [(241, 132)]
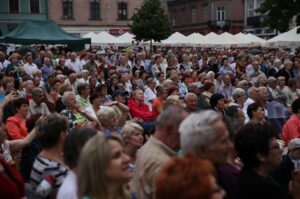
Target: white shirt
[(68, 189), (148, 96), (4, 64), (29, 68), (74, 65), (245, 107)]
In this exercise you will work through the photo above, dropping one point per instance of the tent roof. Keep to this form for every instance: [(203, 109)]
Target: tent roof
[(193, 39), (41, 32), (126, 37), (291, 37), (174, 38), (256, 40), (89, 35), (105, 38)]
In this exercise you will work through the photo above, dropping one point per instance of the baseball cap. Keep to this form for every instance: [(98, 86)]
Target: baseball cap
[(119, 92), (294, 144)]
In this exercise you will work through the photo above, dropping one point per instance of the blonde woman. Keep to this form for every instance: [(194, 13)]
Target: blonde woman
[(132, 134), (111, 121), (103, 169)]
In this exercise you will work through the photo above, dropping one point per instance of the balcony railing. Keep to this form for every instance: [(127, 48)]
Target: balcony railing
[(218, 24)]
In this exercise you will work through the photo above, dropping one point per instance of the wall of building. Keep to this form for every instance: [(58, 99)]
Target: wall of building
[(82, 22), (188, 16), (8, 21)]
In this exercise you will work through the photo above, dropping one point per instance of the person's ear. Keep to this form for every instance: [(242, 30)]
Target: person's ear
[(261, 158)]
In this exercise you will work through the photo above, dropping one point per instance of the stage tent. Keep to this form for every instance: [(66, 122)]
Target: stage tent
[(42, 32)]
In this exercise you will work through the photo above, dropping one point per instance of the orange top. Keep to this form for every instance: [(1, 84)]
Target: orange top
[(16, 128), (157, 105)]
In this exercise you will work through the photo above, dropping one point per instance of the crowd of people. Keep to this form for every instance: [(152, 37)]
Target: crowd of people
[(178, 123)]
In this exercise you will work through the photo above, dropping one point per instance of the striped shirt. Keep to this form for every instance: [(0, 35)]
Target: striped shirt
[(44, 167)]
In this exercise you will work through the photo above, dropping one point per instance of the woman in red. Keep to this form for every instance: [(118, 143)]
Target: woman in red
[(11, 181), (16, 125)]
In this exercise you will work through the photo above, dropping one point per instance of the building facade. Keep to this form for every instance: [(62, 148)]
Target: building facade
[(204, 16), (254, 20), (83, 16), (13, 12)]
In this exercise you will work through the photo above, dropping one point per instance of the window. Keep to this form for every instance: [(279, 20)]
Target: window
[(34, 6), (95, 9), (250, 9), (221, 13), (13, 6), (122, 11), (193, 15), (67, 9)]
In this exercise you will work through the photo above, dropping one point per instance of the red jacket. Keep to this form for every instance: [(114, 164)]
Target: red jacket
[(11, 183), (140, 111)]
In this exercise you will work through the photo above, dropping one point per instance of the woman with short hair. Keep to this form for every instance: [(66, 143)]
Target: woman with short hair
[(256, 113), (111, 121)]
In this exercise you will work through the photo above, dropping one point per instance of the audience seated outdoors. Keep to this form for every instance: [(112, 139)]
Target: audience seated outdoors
[(176, 122)]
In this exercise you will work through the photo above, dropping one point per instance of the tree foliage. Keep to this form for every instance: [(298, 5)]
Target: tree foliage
[(150, 22), (279, 13)]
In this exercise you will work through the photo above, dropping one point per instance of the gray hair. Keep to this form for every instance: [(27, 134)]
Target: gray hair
[(66, 96), (238, 92), (129, 128), (250, 90), (36, 91), (196, 130), (104, 114), (188, 95), (172, 115), (272, 79)]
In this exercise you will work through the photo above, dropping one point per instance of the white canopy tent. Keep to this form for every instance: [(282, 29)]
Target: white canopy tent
[(227, 39), (242, 40), (212, 40), (126, 38), (104, 38), (256, 41), (173, 39), (289, 39), (89, 35), (194, 39)]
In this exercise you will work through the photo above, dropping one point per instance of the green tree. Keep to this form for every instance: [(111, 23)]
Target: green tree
[(279, 13), (150, 22)]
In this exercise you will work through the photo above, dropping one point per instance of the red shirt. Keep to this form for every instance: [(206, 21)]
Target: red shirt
[(11, 182), (156, 105), (140, 110), (291, 129), (16, 128)]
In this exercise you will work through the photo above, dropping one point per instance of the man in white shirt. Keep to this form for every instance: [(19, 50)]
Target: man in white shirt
[(253, 95), (3, 62), (74, 63), (29, 67), (150, 92)]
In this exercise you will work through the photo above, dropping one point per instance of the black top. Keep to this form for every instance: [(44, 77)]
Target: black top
[(251, 185)]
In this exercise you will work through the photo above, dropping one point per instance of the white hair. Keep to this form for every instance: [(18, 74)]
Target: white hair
[(65, 97), (238, 92), (196, 130)]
